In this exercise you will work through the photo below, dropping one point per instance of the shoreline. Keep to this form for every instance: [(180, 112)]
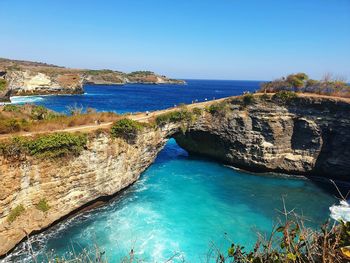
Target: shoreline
[(46, 94)]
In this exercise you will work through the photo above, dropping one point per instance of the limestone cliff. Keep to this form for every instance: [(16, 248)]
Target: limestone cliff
[(306, 135), (28, 82), (105, 167), (34, 78)]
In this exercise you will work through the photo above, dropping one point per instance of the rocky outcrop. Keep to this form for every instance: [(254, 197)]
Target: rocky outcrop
[(34, 78), (307, 135), (151, 78), (105, 167), (109, 77), (32, 82)]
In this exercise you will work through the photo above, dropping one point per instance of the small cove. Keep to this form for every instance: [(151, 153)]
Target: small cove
[(182, 203)]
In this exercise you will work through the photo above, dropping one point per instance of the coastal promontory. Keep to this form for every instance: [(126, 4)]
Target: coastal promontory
[(20, 78), (52, 166)]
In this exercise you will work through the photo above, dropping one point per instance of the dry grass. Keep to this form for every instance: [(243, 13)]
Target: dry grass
[(16, 119), (63, 122)]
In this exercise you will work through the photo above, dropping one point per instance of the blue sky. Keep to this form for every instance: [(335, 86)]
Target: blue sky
[(212, 39)]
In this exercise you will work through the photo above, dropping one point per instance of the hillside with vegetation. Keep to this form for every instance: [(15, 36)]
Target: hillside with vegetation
[(301, 82), (32, 118), (18, 77)]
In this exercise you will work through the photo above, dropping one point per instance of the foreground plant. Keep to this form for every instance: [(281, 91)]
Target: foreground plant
[(292, 241)]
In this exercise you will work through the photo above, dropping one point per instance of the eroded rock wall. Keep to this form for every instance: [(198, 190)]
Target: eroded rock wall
[(35, 78), (305, 136), (104, 168), (26, 82)]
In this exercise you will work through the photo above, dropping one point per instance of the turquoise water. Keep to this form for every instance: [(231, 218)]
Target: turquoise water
[(182, 204), (185, 204)]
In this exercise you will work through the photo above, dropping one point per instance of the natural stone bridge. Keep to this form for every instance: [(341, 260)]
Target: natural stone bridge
[(309, 135)]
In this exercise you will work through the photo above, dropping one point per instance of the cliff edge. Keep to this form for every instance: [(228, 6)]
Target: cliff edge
[(45, 177), (307, 135)]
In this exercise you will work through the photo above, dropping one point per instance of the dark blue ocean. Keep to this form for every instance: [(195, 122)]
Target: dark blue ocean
[(182, 204), (137, 97)]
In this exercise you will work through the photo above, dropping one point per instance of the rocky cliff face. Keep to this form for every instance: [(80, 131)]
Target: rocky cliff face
[(29, 82), (104, 168), (307, 135), (33, 78)]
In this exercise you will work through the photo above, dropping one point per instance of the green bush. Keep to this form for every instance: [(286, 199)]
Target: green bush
[(13, 148), (45, 146), (297, 80), (3, 84), (248, 99), (43, 205), (141, 73), (12, 108), (197, 111), (16, 212), (99, 71), (39, 112), (126, 128), (174, 117), (284, 96), (42, 113), (57, 145), (215, 108), (9, 125)]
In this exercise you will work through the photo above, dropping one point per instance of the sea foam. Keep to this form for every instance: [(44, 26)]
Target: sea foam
[(341, 212), (25, 99)]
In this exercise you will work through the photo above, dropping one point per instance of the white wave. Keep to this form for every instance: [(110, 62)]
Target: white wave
[(25, 99), (341, 212)]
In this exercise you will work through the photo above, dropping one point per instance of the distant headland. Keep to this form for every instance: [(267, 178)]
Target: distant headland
[(18, 77)]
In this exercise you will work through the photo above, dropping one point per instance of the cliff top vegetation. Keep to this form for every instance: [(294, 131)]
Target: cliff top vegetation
[(50, 69), (141, 73), (44, 146), (2, 84), (32, 118), (300, 82), (95, 72)]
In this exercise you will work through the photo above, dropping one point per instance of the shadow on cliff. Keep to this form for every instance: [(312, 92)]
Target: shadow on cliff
[(327, 186)]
